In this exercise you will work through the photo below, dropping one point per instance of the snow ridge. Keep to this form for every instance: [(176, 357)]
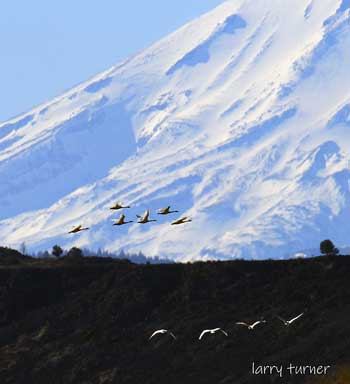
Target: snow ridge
[(240, 120)]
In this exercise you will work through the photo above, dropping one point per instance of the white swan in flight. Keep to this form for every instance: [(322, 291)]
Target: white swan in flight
[(162, 332), (77, 229), (289, 322), (145, 218), (212, 331), (182, 220), (117, 206), (251, 326), (166, 211), (121, 221)]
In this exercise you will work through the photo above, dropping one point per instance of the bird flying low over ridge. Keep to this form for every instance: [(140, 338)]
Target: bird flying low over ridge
[(166, 211), (212, 332), (251, 326), (182, 220), (77, 229), (117, 206), (121, 221), (145, 218), (162, 332), (289, 322)]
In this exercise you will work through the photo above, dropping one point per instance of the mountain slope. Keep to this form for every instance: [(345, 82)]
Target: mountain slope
[(239, 119)]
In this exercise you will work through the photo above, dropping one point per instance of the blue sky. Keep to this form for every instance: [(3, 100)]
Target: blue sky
[(46, 47)]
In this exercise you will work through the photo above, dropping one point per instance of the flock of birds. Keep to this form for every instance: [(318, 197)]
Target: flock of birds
[(220, 330), (144, 219)]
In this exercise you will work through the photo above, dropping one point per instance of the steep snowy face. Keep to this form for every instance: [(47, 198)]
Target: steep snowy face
[(240, 120)]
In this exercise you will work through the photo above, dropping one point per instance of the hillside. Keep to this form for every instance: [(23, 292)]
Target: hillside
[(239, 119), (89, 322)]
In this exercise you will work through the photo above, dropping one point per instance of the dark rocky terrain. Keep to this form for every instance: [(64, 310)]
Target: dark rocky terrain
[(87, 321)]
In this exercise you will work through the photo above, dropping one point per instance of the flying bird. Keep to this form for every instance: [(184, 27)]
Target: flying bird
[(162, 332), (166, 211), (119, 206), (251, 326), (145, 218), (289, 322), (212, 331), (182, 220), (77, 229), (121, 221)]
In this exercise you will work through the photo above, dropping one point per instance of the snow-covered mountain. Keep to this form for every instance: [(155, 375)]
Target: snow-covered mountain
[(240, 120)]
